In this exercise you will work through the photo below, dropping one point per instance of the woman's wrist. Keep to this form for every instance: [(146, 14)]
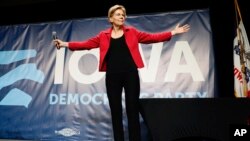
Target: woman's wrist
[(173, 32), (65, 44)]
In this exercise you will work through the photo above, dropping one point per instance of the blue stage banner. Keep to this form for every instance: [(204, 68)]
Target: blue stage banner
[(49, 94)]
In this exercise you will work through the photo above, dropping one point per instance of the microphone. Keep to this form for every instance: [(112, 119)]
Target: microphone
[(54, 38)]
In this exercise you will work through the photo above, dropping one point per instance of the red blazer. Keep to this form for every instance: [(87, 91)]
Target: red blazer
[(132, 36)]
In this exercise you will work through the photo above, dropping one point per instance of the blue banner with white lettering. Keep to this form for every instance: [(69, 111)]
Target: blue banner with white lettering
[(50, 94)]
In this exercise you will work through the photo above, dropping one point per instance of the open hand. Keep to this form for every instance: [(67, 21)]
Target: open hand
[(180, 29)]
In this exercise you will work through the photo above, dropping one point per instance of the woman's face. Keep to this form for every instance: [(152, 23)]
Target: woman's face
[(118, 18)]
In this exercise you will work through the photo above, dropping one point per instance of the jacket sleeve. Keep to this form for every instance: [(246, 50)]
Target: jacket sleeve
[(87, 44), (147, 38)]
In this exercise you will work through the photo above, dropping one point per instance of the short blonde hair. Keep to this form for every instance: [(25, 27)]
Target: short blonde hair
[(114, 8)]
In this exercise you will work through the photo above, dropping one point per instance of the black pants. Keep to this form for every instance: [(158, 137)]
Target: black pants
[(115, 82)]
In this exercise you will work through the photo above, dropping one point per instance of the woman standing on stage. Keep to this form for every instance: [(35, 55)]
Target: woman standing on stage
[(120, 58)]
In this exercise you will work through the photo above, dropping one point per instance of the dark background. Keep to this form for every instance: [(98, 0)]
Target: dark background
[(222, 15)]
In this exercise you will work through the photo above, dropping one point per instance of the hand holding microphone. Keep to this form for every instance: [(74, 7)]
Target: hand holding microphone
[(58, 43)]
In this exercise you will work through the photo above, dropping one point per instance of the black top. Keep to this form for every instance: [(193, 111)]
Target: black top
[(118, 57)]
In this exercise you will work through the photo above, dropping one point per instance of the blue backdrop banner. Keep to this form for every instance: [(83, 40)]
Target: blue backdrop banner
[(50, 94)]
